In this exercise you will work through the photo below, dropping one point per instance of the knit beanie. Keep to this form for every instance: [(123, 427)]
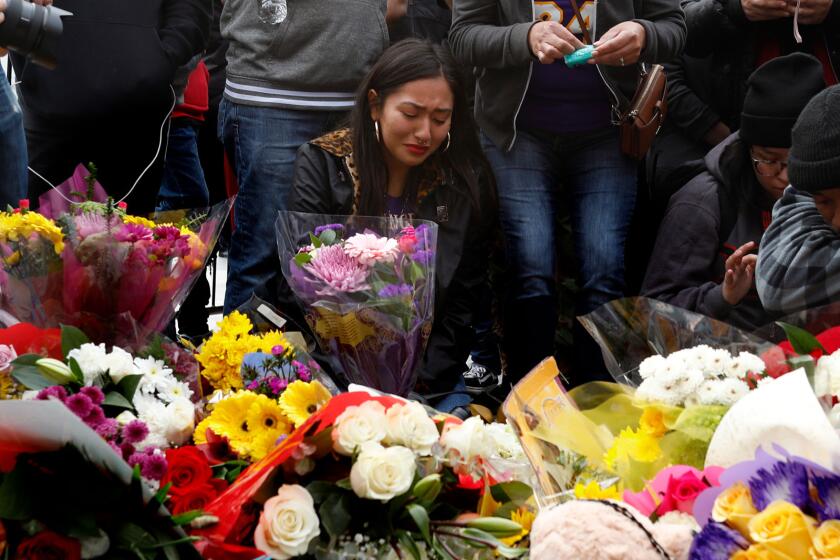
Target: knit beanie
[(814, 162), (776, 93)]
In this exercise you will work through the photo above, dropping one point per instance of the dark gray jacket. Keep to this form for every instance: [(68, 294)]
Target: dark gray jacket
[(492, 36)]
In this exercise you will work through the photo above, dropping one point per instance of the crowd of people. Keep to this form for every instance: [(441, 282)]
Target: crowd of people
[(464, 113)]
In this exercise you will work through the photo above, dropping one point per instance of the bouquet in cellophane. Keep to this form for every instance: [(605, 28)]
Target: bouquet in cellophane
[(118, 277), (366, 285)]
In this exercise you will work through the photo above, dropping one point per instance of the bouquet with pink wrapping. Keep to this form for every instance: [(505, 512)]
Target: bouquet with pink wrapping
[(118, 277), (366, 285)]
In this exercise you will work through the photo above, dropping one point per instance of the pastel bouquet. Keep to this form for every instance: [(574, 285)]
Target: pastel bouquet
[(375, 477), (118, 277), (367, 289)]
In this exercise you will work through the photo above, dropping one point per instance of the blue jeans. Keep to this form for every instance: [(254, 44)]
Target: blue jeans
[(183, 184), (600, 188), (13, 158), (262, 143)]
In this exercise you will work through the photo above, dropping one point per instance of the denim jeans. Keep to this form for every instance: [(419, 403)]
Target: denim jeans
[(183, 184), (599, 184), (13, 159), (262, 143)]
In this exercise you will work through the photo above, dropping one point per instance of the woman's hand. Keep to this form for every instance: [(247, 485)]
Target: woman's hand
[(740, 274), (620, 46), (550, 41)]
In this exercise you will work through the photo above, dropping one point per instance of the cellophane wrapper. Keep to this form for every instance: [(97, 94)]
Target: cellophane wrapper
[(366, 286)]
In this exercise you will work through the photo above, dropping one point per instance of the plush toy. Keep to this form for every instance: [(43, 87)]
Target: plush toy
[(606, 530)]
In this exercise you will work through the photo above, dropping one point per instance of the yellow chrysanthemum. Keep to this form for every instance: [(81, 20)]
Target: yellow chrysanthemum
[(525, 517), (139, 220), (594, 491), (15, 227), (635, 445), (222, 354), (652, 422), (301, 400), (230, 419)]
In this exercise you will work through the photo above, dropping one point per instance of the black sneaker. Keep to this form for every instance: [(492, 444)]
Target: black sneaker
[(479, 379)]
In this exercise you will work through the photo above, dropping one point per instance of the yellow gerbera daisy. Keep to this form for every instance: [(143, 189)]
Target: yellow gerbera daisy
[(230, 419), (301, 400), (266, 414), (594, 491), (525, 517)]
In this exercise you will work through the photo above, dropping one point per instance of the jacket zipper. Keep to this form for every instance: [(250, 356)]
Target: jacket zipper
[(527, 83), (598, 66)]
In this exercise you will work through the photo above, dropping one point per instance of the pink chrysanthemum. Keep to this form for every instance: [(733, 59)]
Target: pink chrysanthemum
[(339, 272), (155, 467), (135, 431), (90, 223), (94, 393), (108, 428), (79, 404), (54, 392), (369, 248), (132, 233)]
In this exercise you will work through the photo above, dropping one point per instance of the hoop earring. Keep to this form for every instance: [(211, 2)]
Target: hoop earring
[(448, 141), (376, 130)]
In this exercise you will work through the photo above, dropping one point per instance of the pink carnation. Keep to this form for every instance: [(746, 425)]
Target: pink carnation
[(369, 248), (340, 272)]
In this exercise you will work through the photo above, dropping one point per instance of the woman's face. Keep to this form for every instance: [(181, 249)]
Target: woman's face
[(770, 166), (414, 120)]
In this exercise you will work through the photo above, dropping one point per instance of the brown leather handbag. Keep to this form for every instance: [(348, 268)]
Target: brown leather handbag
[(646, 114)]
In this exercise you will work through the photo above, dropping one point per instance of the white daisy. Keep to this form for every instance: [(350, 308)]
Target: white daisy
[(650, 366)]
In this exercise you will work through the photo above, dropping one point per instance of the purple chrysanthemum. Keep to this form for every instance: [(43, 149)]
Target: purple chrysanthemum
[(321, 229), (339, 272), (304, 374), (54, 392), (395, 290), (95, 417), (253, 385), (716, 542), (94, 393), (828, 490), (278, 350), (155, 467), (79, 404), (108, 428), (137, 459), (786, 481), (135, 431), (168, 233), (127, 450), (424, 257), (132, 233)]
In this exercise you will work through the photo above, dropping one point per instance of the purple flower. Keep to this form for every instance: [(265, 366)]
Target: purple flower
[(828, 490), (167, 233), (136, 459), (276, 384), (79, 404), (96, 417), (304, 374), (126, 449), (132, 233), (89, 223), (54, 392), (321, 229), (424, 257), (786, 480), (135, 431), (339, 272), (108, 428), (155, 467), (421, 235), (253, 385), (94, 393), (716, 542), (395, 290), (278, 350)]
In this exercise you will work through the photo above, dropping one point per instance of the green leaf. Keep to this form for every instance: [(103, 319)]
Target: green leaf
[(135, 536), (26, 360), (426, 490), (31, 378), (335, 514), (801, 340), (421, 518), (170, 552), (302, 259), (71, 339), (128, 386), (116, 400), (161, 494), (344, 483), (320, 490), (315, 241), (327, 236), (188, 517), (407, 542), (78, 376), (497, 526), (511, 492)]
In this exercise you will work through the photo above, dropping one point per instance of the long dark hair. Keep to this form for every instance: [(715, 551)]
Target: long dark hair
[(407, 61)]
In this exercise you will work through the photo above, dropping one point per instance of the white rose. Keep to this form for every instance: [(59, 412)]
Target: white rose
[(381, 473), (288, 523), (91, 360), (119, 364), (827, 376), (358, 425), (505, 442), (180, 421), (465, 442), (409, 425)]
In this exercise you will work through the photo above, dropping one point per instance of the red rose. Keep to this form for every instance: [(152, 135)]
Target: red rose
[(681, 493), (197, 496), (187, 467), (47, 545)]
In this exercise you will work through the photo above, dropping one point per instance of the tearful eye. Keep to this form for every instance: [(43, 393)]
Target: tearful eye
[(409, 115)]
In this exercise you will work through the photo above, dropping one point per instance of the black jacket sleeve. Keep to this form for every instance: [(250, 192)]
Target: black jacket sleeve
[(185, 29), (686, 249), (712, 23), (311, 184), (685, 109)]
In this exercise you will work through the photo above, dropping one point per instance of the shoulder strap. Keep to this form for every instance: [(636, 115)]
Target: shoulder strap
[(582, 22)]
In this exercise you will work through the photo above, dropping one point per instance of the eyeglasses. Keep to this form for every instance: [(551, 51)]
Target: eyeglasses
[(768, 168)]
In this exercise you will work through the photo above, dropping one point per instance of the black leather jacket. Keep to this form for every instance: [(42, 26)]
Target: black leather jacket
[(324, 185)]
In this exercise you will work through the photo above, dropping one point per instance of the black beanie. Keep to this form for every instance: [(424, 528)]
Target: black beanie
[(814, 162), (776, 93)]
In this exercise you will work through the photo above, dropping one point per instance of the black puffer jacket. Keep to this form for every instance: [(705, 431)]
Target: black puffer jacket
[(324, 185), (714, 214)]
